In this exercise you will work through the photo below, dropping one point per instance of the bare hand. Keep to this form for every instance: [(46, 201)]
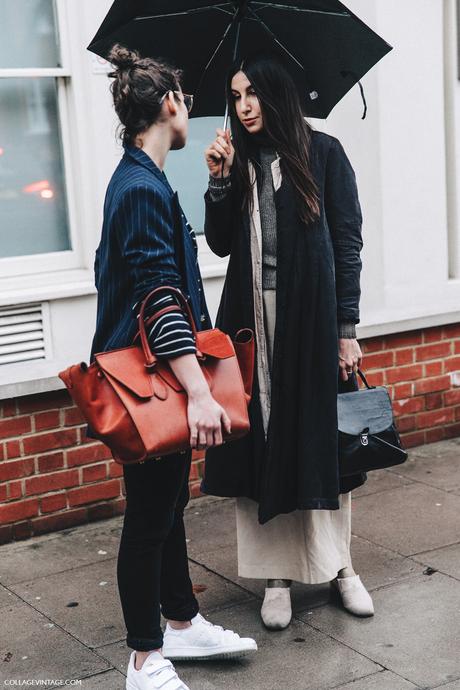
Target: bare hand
[(220, 150), (350, 357), (205, 420)]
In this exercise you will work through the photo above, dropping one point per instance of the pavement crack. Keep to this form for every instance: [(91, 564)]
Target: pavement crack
[(222, 577), (60, 572), (58, 626)]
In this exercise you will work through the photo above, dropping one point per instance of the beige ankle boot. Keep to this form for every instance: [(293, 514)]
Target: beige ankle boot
[(355, 597), (276, 610)]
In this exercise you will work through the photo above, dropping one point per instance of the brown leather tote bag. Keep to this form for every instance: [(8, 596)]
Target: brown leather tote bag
[(137, 407)]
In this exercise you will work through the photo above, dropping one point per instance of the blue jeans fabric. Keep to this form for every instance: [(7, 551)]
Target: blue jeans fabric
[(152, 569)]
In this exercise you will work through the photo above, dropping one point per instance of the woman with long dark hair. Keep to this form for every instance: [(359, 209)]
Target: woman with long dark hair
[(146, 243), (283, 203)]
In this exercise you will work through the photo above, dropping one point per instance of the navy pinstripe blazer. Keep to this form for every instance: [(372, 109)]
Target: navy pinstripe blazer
[(145, 244)]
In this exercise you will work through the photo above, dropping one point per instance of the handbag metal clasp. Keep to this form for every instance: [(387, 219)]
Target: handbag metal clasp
[(364, 436)]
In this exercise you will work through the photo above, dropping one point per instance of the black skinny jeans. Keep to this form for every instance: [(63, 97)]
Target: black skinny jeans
[(152, 566)]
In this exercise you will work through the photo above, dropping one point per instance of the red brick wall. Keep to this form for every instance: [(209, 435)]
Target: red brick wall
[(52, 478), (421, 369)]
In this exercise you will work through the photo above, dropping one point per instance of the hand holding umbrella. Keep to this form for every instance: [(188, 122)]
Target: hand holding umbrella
[(221, 150)]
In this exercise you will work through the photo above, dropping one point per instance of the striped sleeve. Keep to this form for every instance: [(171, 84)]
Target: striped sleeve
[(170, 335)]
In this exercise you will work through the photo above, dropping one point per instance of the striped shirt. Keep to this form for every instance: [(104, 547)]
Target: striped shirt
[(170, 335)]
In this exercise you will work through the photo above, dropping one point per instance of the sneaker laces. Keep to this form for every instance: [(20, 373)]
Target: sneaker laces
[(212, 625), (227, 634)]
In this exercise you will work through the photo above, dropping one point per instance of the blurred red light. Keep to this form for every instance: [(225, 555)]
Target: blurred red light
[(36, 187)]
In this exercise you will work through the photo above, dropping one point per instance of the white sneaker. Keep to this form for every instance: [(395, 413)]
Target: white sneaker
[(355, 597), (276, 610), (203, 640), (156, 672)]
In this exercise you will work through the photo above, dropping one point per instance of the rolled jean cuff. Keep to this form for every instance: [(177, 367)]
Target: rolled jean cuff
[(144, 644), (186, 613)]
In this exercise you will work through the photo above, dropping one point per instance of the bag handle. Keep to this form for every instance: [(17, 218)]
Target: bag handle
[(364, 380), (150, 359)]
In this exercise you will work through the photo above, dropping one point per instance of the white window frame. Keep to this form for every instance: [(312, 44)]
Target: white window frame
[(13, 269)]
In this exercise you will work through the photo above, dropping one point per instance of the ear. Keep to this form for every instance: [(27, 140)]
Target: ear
[(171, 103)]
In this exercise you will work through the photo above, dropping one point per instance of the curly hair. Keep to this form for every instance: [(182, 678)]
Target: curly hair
[(138, 86)]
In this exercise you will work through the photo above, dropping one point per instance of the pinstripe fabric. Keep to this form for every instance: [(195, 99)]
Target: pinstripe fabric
[(137, 252)]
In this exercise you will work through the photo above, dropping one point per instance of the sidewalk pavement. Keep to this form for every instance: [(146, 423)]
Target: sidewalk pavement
[(60, 616)]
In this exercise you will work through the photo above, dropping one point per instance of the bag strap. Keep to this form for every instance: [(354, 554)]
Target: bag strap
[(152, 319), (150, 359), (364, 380)]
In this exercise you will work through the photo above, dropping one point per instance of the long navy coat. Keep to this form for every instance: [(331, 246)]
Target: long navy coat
[(318, 284), (145, 244)]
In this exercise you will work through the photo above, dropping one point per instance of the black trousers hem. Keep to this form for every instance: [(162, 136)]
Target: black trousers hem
[(144, 644), (186, 613)]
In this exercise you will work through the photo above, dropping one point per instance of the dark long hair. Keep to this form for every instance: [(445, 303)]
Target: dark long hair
[(284, 126), (137, 87)]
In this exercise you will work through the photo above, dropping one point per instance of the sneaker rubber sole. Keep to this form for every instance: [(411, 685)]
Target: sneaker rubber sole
[(194, 654)]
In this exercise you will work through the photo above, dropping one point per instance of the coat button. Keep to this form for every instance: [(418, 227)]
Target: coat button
[(202, 318)]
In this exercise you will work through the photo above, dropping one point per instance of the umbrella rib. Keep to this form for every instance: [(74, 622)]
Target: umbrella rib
[(197, 10), (235, 16), (274, 37), (290, 8)]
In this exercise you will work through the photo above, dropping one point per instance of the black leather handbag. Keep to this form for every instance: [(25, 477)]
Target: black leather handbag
[(368, 438)]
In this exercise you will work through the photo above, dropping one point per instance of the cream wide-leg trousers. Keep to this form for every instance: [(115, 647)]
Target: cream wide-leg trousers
[(308, 546)]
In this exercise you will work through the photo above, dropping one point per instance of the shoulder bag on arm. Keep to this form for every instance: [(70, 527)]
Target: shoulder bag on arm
[(136, 406)]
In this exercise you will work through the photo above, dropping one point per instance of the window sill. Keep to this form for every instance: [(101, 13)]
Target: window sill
[(31, 378), (393, 325), (55, 285)]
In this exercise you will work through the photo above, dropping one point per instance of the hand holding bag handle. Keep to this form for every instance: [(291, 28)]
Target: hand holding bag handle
[(367, 435)]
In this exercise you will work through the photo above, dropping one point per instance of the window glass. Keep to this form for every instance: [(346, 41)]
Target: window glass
[(28, 34), (33, 207), (187, 171)]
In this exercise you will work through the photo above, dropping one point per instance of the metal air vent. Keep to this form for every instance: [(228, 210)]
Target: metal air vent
[(21, 333)]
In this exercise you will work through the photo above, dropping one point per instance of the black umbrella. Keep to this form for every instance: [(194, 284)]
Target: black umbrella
[(325, 46)]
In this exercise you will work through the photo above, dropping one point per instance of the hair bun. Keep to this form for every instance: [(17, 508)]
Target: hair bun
[(122, 57)]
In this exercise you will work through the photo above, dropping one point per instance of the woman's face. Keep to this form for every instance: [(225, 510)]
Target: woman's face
[(246, 103)]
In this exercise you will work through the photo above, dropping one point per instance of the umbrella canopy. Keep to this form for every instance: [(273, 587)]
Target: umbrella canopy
[(326, 48)]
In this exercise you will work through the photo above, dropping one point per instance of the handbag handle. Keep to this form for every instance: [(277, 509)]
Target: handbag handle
[(364, 380), (150, 358)]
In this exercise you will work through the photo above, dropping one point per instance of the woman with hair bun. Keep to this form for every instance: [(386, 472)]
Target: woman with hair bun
[(146, 243)]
